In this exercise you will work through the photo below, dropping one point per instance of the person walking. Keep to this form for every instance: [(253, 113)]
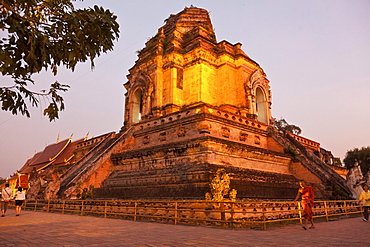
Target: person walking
[(7, 195), (307, 195), (20, 196), (365, 199)]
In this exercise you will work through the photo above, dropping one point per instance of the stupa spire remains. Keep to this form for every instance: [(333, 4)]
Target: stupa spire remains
[(183, 64)]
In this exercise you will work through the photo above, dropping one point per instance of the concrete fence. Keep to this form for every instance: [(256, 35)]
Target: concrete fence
[(239, 214)]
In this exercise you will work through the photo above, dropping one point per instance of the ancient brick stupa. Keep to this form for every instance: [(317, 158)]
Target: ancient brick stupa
[(193, 106)]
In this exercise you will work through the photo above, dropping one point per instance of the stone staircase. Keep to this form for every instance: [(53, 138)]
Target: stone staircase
[(89, 163), (310, 161)]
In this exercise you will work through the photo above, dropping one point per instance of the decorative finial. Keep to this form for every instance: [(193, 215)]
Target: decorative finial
[(87, 136)]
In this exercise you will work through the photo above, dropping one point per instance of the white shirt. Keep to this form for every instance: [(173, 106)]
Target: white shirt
[(20, 195), (6, 193)]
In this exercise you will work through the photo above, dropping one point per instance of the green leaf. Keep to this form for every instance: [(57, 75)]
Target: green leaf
[(47, 34)]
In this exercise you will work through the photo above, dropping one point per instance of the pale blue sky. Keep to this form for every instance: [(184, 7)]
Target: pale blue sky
[(315, 53)]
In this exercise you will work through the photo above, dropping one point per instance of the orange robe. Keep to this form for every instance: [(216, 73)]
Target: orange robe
[(307, 201)]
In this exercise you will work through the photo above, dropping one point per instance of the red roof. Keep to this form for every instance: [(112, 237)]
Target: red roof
[(50, 152), (26, 167), (57, 154), (67, 154)]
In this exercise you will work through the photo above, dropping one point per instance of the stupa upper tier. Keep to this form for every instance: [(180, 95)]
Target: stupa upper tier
[(183, 64)]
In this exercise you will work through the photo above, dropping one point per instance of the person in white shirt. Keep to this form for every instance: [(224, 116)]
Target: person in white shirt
[(365, 198), (7, 195), (20, 196)]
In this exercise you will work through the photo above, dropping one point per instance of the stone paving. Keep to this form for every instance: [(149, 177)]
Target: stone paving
[(55, 229)]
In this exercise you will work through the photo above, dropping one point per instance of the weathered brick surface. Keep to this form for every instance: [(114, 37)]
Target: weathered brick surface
[(195, 105)]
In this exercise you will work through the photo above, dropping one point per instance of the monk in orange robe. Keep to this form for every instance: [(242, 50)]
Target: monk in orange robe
[(307, 195)]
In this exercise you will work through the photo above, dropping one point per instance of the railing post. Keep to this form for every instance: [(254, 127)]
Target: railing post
[(232, 215), (176, 214), (35, 205), (300, 213), (326, 211), (48, 207), (82, 207), (105, 209), (135, 210), (223, 216), (345, 208), (63, 206), (264, 216)]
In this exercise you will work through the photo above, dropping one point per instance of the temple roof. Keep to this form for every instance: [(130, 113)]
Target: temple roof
[(57, 154), (67, 155)]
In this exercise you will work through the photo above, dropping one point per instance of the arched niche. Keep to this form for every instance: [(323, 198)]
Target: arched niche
[(261, 105), (137, 105)]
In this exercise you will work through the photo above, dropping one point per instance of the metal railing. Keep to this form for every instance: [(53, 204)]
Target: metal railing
[(239, 214)]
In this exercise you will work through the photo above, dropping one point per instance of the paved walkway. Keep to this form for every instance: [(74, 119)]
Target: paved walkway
[(55, 229)]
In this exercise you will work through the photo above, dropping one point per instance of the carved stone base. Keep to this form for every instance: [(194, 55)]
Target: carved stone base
[(185, 169)]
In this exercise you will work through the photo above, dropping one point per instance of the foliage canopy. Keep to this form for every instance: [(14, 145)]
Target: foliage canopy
[(47, 34), (283, 125), (361, 156)]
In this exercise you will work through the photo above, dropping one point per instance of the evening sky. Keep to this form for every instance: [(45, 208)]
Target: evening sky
[(316, 55)]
